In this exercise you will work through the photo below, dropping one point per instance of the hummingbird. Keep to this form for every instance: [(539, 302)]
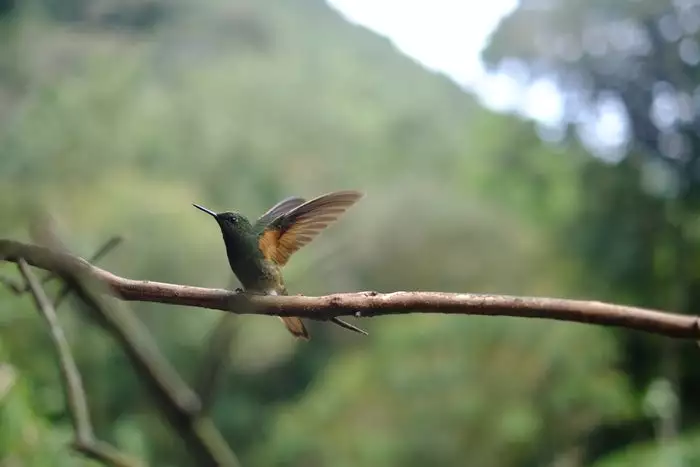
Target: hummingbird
[(257, 251)]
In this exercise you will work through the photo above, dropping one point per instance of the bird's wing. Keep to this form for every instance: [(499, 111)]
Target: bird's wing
[(283, 207), (293, 230)]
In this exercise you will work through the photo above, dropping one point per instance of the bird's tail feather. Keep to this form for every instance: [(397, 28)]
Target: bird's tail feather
[(346, 325), (296, 327)]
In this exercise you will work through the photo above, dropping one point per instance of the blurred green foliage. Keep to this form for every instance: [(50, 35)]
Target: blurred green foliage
[(635, 222), (118, 115)]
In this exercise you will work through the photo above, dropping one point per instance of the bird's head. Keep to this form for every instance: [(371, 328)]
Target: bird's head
[(231, 223)]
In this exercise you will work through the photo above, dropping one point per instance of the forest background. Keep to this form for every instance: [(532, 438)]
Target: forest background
[(118, 115)]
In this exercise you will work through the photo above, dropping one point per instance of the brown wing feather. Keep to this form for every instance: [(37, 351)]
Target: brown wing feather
[(278, 209), (301, 225)]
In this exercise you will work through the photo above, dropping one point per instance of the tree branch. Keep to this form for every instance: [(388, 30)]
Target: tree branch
[(174, 397), (101, 252), (12, 285), (365, 304), (215, 361), (109, 245), (72, 383), (216, 358), (176, 400)]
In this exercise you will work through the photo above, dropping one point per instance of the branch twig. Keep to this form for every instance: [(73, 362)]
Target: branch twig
[(215, 361), (12, 285), (176, 400), (216, 358), (72, 383), (365, 304), (109, 245), (173, 396), (19, 289)]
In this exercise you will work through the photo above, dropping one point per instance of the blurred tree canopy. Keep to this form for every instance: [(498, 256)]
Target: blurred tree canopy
[(118, 115), (636, 226)]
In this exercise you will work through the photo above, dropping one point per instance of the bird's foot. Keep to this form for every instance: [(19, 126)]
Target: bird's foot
[(249, 292)]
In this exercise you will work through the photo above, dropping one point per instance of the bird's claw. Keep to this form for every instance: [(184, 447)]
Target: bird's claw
[(250, 292)]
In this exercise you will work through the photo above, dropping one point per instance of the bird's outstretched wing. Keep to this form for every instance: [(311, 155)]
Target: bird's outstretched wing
[(283, 207), (291, 231)]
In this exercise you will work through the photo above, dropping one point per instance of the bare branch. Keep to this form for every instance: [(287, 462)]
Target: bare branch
[(75, 393), (106, 453), (176, 400), (215, 360), (107, 247), (72, 383), (111, 244), (12, 285), (174, 397), (365, 304), (101, 252)]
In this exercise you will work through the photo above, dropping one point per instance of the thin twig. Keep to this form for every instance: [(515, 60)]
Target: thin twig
[(72, 383), (19, 289), (215, 361), (176, 400), (365, 304), (75, 393), (107, 247), (111, 244), (216, 358), (12, 285)]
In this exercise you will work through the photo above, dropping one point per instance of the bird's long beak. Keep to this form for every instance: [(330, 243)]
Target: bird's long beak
[(202, 208)]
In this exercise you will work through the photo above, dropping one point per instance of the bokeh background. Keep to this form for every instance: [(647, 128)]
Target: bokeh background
[(117, 115)]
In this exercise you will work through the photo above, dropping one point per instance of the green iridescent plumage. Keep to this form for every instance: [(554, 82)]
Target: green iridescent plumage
[(257, 252)]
